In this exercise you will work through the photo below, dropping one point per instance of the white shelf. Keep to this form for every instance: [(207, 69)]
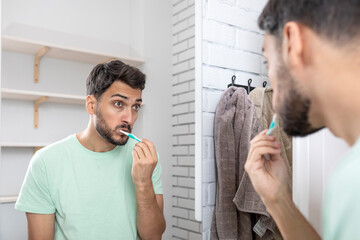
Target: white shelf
[(33, 96), (29, 40), (8, 199), (30, 145)]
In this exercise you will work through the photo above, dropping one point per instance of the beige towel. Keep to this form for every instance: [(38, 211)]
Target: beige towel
[(262, 99), (239, 212)]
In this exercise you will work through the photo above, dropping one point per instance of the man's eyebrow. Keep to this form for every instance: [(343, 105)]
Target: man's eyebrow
[(125, 97), (119, 95)]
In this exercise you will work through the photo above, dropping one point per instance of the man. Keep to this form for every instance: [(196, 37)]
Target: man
[(313, 53), (98, 184)]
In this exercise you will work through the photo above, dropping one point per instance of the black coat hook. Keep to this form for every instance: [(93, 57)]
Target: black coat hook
[(264, 84), (247, 87), (233, 78)]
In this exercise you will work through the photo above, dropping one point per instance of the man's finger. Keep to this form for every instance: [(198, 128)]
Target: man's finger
[(264, 143), (262, 137), (139, 151), (144, 148), (135, 154), (263, 132), (272, 144), (151, 147), (260, 152)]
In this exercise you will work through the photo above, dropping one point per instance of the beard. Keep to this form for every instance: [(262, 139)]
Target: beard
[(295, 107), (104, 130)]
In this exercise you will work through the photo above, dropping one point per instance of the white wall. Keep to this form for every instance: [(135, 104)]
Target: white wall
[(1, 210), (231, 45), (184, 224), (105, 20), (314, 159)]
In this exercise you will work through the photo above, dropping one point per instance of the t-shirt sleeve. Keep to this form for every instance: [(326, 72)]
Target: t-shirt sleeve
[(156, 178), (341, 209), (34, 195)]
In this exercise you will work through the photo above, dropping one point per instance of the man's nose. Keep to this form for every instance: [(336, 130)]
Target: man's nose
[(127, 116)]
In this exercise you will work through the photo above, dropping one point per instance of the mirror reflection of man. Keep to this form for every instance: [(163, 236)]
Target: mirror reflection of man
[(98, 184), (313, 52)]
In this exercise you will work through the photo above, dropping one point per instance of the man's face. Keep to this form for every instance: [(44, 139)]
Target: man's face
[(289, 102), (117, 109)]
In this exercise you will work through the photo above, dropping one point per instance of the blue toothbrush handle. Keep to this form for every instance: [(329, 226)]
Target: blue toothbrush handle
[(135, 138)]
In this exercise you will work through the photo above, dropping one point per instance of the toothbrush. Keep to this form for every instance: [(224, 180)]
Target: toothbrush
[(130, 135), (272, 125), (271, 128)]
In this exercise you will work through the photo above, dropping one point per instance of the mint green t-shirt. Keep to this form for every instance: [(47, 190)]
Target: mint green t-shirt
[(92, 194), (341, 211)]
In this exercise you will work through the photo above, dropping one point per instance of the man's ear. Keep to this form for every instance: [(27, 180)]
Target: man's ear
[(293, 45), (90, 104)]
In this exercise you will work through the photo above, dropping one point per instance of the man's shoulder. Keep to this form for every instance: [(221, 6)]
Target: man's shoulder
[(346, 173), (340, 211), (57, 148), (350, 163)]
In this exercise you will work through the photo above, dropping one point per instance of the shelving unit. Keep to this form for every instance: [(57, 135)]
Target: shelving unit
[(33, 96), (23, 145), (30, 40), (39, 97), (8, 199), (36, 146), (40, 42)]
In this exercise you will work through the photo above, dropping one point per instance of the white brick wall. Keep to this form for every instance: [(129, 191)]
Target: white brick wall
[(184, 225), (232, 44)]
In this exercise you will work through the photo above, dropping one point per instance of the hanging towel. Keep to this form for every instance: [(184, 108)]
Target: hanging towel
[(239, 212), (262, 99)]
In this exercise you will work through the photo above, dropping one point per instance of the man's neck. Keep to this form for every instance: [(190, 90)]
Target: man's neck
[(92, 140), (345, 123), (342, 110), (335, 88)]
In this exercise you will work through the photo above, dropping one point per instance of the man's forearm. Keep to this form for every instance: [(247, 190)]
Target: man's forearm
[(291, 222), (150, 219)]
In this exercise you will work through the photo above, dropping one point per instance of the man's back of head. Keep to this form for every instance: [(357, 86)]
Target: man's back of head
[(336, 20)]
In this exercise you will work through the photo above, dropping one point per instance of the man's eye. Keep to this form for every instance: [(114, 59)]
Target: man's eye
[(136, 107), (118, 104)]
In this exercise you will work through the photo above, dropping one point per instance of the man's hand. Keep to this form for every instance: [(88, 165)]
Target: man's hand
[(150, 219), (269, 177), (144, 162)]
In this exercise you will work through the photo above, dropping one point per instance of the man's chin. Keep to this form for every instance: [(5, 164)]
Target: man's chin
[(119, 141), (301, 132), (122, 141)]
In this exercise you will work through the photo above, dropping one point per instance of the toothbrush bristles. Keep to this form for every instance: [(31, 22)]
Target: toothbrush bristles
[(126, 133)]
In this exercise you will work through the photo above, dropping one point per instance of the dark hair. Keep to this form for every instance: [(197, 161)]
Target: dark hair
[(336, 20), (104, 74)]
